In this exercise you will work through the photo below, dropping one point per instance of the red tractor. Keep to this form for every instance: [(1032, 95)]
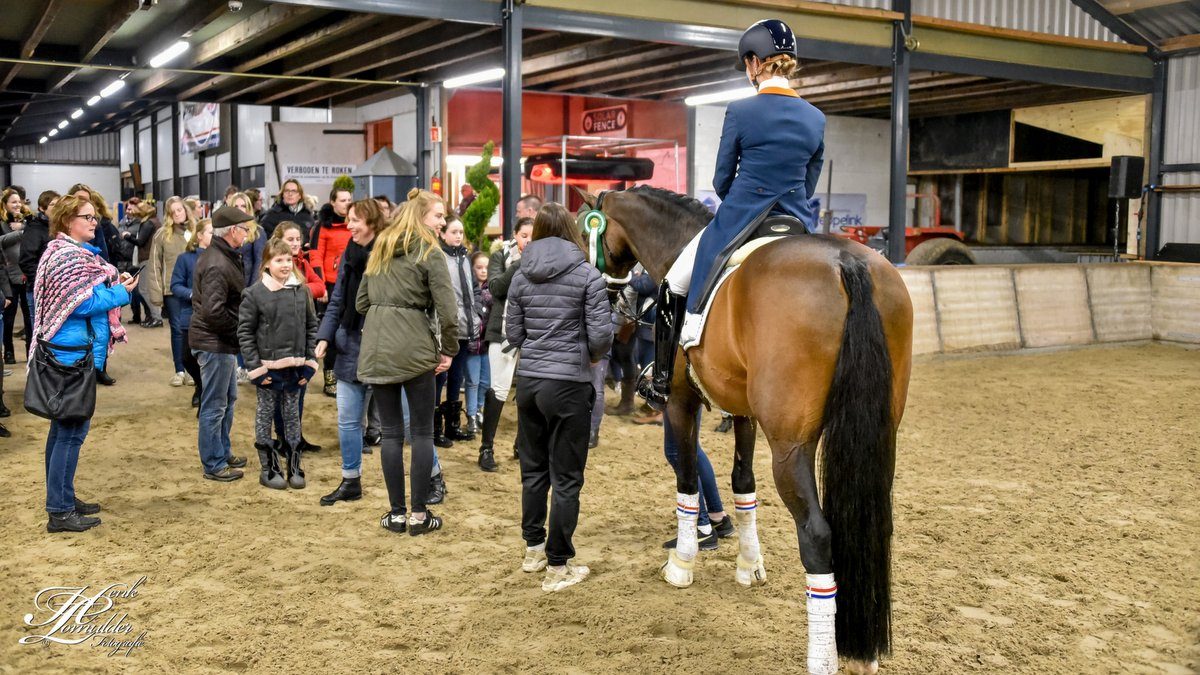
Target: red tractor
[(935, 245)]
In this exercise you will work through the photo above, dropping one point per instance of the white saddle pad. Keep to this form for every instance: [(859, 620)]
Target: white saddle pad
[(693, 328)]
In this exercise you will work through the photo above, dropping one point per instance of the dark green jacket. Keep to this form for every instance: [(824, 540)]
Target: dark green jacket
[(410, 317)]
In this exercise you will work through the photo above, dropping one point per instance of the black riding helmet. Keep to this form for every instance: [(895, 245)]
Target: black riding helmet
[(767, 38)]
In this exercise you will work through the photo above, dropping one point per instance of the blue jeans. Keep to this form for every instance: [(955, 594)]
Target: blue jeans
[(62, 456), (29, 298), (479, 379), (351, 399), (710, 497), (174, 310), (218, 373)]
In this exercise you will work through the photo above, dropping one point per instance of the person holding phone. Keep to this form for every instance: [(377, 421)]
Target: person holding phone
[(77, 307)]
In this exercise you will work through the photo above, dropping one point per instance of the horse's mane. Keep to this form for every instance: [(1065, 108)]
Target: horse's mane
[(670, 202)]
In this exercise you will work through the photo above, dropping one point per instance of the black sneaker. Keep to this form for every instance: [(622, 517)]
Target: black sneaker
[(153, 323), (4, 411), (236, 462), (396, 522), (86, 508), (4, 432), (708, 542), (725, 528), (70, 521), (426, 526), (372, 438)]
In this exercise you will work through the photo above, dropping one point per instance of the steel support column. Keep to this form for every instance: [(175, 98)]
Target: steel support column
[(154, 151), (898, 184), (235, 159), (422, 113), (510, 171), (176, 180), (1158, 107)]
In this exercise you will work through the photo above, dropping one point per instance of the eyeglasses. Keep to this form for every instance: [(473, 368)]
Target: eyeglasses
[(91, 218), (243, 228)]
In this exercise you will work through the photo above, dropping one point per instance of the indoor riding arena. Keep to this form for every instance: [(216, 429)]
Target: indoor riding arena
[(1024, 176)]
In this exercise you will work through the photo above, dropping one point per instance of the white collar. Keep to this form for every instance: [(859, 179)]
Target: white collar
[(777, 81)]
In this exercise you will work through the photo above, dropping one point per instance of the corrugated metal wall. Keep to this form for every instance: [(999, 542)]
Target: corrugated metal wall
[(1056, 17), (1181, 145), (100, 149)]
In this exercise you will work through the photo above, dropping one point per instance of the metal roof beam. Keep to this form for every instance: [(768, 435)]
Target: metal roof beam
[(32, 40), (1120, 28)]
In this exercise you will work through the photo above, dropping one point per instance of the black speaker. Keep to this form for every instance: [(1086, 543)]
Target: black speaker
[(1125, 179)]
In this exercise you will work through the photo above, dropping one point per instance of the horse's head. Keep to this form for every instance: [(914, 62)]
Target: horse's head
[(645, 225)]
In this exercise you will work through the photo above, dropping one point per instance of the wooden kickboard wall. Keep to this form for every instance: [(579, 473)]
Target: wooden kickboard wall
[(1002, 307)]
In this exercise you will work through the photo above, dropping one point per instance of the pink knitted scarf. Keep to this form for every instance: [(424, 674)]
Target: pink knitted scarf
[(66, 276)]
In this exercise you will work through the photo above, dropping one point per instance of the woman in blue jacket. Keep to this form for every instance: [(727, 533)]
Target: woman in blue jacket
[(181, 295), (770, 156), (77, 306)]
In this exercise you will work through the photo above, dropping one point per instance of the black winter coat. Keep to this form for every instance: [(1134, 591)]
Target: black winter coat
[(217, 299), (277, 326), (558, 313), (33, 245)]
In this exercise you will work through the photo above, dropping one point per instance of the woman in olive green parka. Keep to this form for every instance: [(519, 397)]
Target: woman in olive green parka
[(410, 334)]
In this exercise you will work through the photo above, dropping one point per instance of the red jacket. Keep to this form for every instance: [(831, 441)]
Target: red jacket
[(331, 244), (311, 279)]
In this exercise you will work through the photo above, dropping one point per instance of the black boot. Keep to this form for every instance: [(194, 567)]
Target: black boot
[(628, 389), (492, 407), (593, 439), (71, 521), (487, 461), (295, 472), (102, 377), (349, 490), (270, 475), (305, 446), (437, 489), (454, 430), (439, 425), (671, 309)]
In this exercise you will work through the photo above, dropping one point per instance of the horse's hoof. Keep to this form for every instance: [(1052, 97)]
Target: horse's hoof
[(677, 572), (750, 573), (857, 667)]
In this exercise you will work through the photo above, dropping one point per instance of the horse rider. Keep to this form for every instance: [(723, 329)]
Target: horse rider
[(769, 159)]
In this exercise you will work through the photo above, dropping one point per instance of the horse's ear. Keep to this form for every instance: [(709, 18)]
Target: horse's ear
[(587, 197)]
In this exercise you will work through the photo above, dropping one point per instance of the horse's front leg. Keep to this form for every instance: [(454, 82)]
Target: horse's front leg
[(750, 569), (681, 414)]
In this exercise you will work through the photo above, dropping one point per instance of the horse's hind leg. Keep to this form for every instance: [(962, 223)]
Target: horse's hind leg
[(795, 478), (681, 414), (750, 569)]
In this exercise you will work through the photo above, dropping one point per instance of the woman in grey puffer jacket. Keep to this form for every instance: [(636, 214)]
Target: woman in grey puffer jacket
[(558, 316)]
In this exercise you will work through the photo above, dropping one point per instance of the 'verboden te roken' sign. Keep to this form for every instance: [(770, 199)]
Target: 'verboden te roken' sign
[(606, 121), (319, 172)]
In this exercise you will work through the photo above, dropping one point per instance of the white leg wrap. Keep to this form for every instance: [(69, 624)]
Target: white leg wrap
[(822, 608), (679, 277), (750, 569), (687, 509), (746, 517)]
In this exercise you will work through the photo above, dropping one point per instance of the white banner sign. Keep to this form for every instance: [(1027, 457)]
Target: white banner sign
[(319, 172)]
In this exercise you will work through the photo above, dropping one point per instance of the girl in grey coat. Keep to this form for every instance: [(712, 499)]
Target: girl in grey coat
[(558, 317)]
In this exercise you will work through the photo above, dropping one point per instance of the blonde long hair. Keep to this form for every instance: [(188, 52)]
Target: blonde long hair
[(197, 227), (406, 232), (254, 231), (167, 231)]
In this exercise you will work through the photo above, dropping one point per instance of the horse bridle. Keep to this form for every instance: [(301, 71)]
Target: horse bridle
[(595, 224)]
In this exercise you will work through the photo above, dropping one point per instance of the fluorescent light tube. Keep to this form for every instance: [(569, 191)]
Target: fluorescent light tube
[(169, 54), (721, 96), (489, 75)]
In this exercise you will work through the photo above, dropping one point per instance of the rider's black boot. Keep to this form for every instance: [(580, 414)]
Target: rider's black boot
[(671, 308)]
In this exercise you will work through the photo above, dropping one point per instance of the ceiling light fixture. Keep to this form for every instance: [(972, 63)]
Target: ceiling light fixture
[(113, 88), (93, 100), (43, 139), (77, 114), (63, 124), (721, 96), (53, 132), (169, 54), (490, 75)]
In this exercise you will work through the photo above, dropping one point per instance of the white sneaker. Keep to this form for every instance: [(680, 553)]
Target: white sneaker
[(187, 379), (243, 376), (535, 559), (567, 575), (177, 381)]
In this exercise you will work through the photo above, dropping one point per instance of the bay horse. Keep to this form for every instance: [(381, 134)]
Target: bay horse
[(811, 338)]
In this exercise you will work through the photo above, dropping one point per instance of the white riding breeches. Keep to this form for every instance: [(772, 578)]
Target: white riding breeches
[(679, 277), (503, 365)]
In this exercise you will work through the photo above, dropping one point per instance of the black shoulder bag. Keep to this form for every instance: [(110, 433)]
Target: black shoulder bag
[(60, 391)]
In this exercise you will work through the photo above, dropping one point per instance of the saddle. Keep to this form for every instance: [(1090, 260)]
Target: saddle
[(766, 227)]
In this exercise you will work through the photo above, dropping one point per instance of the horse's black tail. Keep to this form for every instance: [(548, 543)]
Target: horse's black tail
[(858, 463)]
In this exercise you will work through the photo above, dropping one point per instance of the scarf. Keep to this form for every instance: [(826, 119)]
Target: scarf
[(66, 276), (457, 256), (350, 274)]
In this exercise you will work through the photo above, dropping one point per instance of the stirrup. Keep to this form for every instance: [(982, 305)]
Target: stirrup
[(654, 398)]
